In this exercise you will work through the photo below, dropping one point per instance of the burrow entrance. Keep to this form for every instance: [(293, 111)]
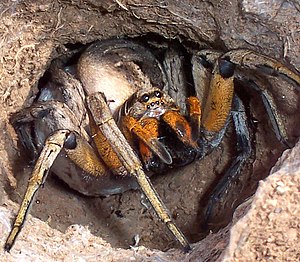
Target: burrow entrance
[(119, 218)]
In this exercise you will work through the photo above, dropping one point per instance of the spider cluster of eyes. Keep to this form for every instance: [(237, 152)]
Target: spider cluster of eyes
[(149, 96)]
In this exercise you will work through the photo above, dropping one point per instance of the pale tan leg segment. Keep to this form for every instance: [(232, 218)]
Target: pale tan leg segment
[(53, 146), (132, 164)]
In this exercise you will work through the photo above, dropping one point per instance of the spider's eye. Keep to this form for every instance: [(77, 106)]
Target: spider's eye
[(157, 94), (145, 98)]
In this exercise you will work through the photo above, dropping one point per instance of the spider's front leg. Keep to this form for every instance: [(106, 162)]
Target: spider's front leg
[(221, 103), (53, 146), (251, 68), (125, 154), (51, 130)]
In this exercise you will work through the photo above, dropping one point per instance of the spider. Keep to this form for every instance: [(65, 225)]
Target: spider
[(118, 112)]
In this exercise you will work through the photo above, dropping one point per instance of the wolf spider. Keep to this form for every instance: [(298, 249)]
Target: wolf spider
[(74, 126)]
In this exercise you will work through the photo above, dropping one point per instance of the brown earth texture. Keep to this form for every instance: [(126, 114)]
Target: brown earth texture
[(66, 226)]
